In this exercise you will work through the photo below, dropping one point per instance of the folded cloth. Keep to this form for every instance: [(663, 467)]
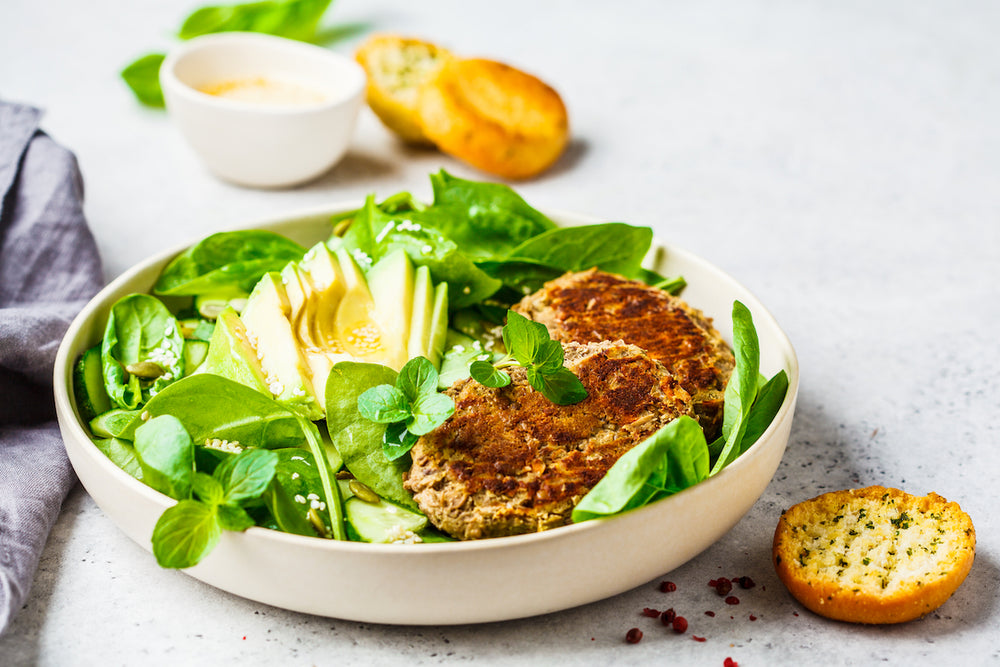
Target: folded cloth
[(49, 268)]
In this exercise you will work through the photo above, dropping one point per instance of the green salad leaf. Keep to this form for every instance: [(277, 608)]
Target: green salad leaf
[(377, 234), (677, 456), (294, 19), (166, 455), (741, 390), (235, 413), (672, 459), (140, 330), (358, 439), (143, 76), (613, 246), (188, 531), (227, 261)]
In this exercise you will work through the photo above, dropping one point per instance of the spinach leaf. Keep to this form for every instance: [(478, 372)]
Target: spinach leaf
[(331, 491), (486, 220), (359, 440), (166, 456), (140, 329), (294, 19), (614, 247), (672, 459), (143, 77), (765, 407), (290, 496), (234, 412), (227, 261), (741, 390), (376, 234)]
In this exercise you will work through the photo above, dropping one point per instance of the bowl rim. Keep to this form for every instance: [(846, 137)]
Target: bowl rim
[(342, 95), (66, 404)]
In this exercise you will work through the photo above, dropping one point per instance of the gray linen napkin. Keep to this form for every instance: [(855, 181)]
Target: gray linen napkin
[(49, 268)]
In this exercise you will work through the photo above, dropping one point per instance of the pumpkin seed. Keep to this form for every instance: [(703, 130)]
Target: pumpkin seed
[(362, 492), (146, 370)]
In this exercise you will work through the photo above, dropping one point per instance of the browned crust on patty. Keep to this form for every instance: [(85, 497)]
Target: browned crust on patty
[(509, 461), (593, 306), (873, 555)]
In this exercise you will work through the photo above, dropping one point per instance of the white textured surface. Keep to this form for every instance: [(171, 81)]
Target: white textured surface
[(839, 159)]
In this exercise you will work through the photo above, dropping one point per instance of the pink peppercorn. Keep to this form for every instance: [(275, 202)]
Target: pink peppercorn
[(680, 625), (633, 636)]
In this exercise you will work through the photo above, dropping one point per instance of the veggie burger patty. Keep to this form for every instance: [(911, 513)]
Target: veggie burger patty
[(593, 306), (509, 461)]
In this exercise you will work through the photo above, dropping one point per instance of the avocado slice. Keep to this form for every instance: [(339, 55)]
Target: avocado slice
[(439, 324), (391, 282), (354, 331), (423, 311), (286, 369), (231, 355)]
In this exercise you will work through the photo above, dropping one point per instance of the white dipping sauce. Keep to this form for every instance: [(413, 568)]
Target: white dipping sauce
[(265, 91)]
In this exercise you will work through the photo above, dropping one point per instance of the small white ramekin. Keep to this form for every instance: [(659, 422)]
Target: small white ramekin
[(254, 144)]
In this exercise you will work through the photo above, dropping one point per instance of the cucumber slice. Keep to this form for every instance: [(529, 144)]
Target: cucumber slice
[(196, 328), (88, 385), (382, 522), (122, 454), (115, 423), (195, 352)]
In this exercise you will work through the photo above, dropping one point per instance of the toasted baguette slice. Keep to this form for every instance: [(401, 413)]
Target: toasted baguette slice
[(874, 555), (397, 67), (495, 117)]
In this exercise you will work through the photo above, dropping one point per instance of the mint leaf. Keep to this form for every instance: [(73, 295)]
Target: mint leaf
[(397, 441), (418, 376), (384, 404), (549, 357), (429, 411), (207, 488), (529, 344), (561, 387), (522, 338), (185, 533), (246, 475), (234, 518), (488, 375), (411, 409)]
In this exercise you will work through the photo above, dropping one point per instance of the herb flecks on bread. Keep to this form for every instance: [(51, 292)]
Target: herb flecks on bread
[(874, 555), (397, 68)]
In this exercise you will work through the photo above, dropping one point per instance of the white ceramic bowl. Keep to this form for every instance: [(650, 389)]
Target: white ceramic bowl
[(297, 133), (457, 582)]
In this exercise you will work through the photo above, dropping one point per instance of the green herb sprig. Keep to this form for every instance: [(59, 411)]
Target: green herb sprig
[(411, 408), (207, 504), (530, 346)]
